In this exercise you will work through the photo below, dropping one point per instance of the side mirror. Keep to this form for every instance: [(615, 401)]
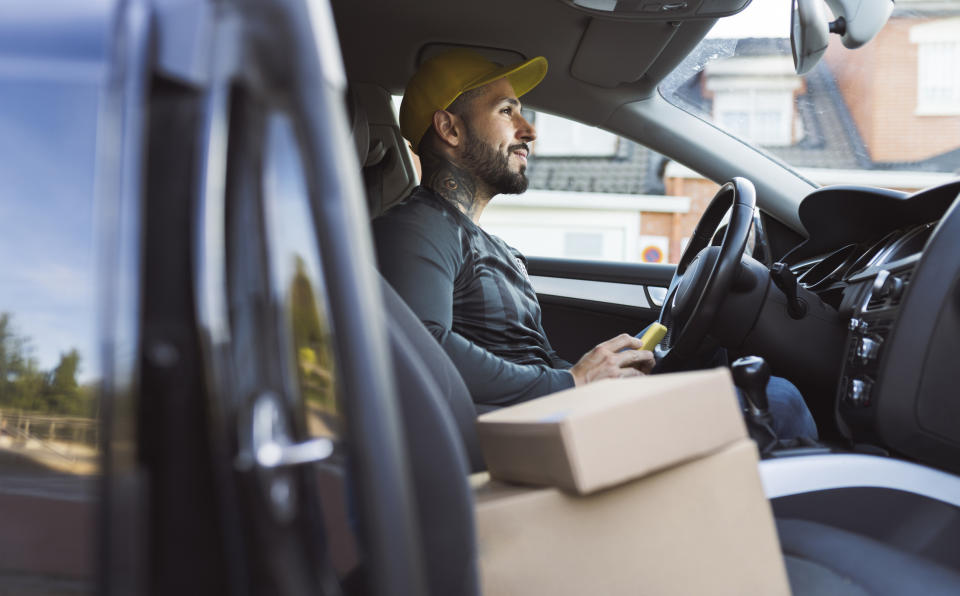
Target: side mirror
[(808, 34)]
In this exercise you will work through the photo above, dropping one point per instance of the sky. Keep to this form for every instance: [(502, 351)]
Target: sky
[(763, 18), (47, 157)]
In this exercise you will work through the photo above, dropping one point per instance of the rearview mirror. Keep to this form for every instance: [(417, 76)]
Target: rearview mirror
[(808, 34), (858, 21)]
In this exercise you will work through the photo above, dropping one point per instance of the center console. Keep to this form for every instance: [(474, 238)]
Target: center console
[(900, 382), (874, 311)]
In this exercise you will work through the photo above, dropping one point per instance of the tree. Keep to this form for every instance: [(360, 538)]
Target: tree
[(24, 386), (62, 392), (21, 381)]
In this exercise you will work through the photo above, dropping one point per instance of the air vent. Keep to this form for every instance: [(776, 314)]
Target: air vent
[(896, 298), (801, 268), (876, 303), (888, 289)]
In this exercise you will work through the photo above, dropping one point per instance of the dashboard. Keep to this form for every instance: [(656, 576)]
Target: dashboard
[(889, 264)]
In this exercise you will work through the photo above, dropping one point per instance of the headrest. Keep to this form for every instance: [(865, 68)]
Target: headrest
[(359, 125), (388, 171)]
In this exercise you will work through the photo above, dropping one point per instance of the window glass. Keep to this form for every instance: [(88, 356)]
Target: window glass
[(612, 201), (886, 114), (560, 136), (49, 367), (297, 279)]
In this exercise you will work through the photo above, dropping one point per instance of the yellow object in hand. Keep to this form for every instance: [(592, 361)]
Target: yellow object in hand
[(652, 337)]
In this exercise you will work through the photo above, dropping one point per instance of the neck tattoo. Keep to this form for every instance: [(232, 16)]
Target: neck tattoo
[(452, 182)]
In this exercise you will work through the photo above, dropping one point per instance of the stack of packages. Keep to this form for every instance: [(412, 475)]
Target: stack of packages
[(634, 486)]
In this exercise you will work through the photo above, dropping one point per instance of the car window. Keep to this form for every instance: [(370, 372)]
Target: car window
[(49, 366), (596, 195), (886, 114)]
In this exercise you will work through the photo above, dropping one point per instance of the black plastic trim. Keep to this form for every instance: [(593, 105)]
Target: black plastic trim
[(838, 215), (630, 273), (918, 369)]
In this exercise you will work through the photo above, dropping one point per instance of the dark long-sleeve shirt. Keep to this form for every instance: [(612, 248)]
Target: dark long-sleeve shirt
[(472, 292)]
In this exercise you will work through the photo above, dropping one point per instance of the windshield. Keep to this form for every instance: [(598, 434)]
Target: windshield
[(886, 114)]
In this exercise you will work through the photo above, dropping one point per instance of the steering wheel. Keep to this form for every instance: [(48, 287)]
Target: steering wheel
[(705, 274)]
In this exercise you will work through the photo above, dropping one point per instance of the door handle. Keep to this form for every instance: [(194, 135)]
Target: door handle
[(276, 455), (271, 446), (270, 453)]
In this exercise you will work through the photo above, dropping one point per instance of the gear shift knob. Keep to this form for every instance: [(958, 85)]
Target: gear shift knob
[(751, 374)]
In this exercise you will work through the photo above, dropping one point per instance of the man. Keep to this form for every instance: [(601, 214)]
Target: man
[(471, 290), (461, 114)]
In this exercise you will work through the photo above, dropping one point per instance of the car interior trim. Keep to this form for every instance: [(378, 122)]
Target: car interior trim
[(787, 476), (656, 295), (599, 291), (875, 269), (654, 274)]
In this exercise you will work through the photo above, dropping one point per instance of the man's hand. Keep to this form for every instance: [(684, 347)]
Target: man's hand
[(607, 361)]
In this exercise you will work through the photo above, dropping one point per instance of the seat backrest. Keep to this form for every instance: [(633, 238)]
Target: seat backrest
[(437, 417), (441, 372)]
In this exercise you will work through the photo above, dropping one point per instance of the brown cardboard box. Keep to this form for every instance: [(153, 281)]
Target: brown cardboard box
[(700, 528), (606, 433)]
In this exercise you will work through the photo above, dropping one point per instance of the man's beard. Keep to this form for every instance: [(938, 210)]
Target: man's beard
[(492, 167)]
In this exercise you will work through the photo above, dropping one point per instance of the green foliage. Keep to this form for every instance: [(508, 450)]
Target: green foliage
[(24, 386)]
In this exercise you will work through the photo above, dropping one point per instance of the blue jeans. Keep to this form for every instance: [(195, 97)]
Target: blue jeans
[(791, 416)]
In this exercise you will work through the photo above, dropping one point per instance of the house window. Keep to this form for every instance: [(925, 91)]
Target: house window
[(558, 137), (753, 97), (938, 84), (583, 245), (938, 80), (760, 116)]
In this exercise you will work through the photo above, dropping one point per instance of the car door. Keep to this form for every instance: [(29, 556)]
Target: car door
[(301, 411), (586, 302)]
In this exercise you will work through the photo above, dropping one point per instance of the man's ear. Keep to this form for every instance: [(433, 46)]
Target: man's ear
[(448, 127)]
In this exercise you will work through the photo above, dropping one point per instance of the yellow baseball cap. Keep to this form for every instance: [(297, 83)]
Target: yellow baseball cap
[(441, 79)]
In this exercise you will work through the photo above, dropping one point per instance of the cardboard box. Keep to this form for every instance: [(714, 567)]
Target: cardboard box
[(700, 528), (606, 433)]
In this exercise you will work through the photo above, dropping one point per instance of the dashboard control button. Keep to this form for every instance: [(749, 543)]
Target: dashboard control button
[(858, 393), (868, 349), (857, 325)]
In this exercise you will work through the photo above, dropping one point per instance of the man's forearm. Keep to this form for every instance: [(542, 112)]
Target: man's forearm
[(493, 380)]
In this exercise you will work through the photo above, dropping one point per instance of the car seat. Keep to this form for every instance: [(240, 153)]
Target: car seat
[(438, 424)]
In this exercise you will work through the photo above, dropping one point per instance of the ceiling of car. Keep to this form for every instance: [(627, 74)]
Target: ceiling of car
[(598, 61)]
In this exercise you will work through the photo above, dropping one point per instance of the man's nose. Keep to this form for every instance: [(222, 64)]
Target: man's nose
[(526, 131)]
